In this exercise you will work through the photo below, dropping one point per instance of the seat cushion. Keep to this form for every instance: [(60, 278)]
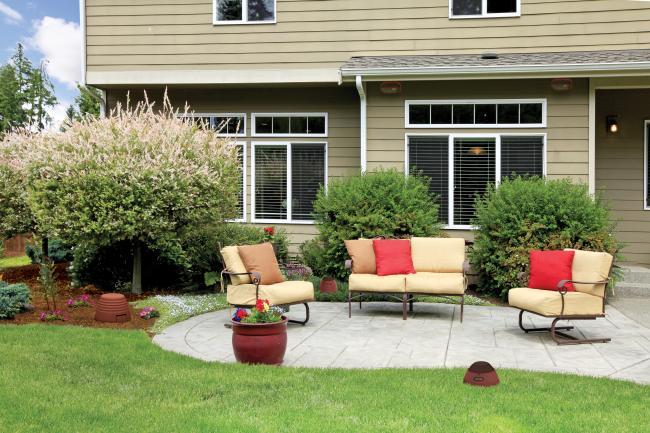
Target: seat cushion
[(591, 266), (548, 268), (288, 292), (438, 254), (234, 264), (393, 256), (375, 283), (436, 283), (261, 258), (362, 254), (549, 303)]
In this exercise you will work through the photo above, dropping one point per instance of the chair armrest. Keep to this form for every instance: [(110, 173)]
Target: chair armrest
[(348, 264), (256, 277), (562, 289)]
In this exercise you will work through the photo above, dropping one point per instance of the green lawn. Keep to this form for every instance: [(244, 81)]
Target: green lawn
[(176, 308), (65, 379), (12, 262)]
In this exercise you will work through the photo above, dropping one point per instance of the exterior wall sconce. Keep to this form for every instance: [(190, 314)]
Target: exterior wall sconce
[(561, 84), (612, 125), (390, 88)]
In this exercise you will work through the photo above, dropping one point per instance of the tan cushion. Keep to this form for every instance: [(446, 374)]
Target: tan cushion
[(234, 264), (438, 254), (436, 283), (362, 254), (375, 283), (261, 258), (549, 302), (288, 292), (591, 266)]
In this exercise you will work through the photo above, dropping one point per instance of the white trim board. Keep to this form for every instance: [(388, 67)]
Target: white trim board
[(646, 137), (451, 136), (288, 144)]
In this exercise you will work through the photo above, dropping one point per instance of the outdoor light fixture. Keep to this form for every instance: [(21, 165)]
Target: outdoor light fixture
[(390, 88), (612, 125), (481, 374), (561, 84)]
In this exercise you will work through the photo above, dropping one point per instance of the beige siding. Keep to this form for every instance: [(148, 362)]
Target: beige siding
[(126, 35), (619, 167), (341, 104), (567, 131)]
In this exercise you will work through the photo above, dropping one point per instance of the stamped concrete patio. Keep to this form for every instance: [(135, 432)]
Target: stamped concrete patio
[(376, 337)]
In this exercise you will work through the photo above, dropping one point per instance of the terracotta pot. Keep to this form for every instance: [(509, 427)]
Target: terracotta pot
[(328, 285), (481, 374), (260, 343)]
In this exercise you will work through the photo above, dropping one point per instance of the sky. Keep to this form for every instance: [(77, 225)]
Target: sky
[(49, 30)]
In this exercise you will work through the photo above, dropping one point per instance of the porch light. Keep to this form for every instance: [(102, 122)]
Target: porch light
[(390, 88), (561, 84), (612, 125)]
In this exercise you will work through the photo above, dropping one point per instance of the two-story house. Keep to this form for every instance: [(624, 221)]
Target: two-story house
[(467, 91)]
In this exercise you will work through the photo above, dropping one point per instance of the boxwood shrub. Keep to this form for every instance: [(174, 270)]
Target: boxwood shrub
[(525, 214), (385, 203), (13, 299)]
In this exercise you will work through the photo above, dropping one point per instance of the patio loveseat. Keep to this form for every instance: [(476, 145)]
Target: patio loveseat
[(590, 276), (439, 265)]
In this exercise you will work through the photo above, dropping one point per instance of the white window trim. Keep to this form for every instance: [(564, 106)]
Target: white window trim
[(484, 13), (244, 12), (211, 115), (452, 136), (288, 145), (255, 134), (242, 218), (410, 102), (646, 124)]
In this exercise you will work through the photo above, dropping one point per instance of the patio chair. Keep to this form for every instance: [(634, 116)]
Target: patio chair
[(590, 278), (245, 287)]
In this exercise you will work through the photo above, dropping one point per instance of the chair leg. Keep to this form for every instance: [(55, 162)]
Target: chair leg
[(349, 304), (411, 304), (562, 338), (462, 307), (404, 302), (527, 330), (302, 322)]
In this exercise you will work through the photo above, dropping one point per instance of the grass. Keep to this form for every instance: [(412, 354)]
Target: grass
[(61, 378), (14, 262), (174, 309)]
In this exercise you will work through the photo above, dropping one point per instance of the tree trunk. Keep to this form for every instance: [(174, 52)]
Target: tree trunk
[(136, 285), (45, 249)]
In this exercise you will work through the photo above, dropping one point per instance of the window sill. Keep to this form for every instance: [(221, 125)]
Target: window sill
[(287, 222), (236, 23), (473, 17), (459, 227)]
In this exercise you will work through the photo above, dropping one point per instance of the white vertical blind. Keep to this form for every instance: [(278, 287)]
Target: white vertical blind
[(429, 156), (271, 182), (307, 176), (474, 170), (240, 203)]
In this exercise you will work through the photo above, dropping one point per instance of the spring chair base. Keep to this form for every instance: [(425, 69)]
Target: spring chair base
[(562, 338)]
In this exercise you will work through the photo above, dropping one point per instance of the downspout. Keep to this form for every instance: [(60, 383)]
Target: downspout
[(364, 128)]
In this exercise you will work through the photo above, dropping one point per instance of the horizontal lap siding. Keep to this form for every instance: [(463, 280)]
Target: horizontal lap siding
[(341, 104), (178, 34), (619, 168), (567, 131)]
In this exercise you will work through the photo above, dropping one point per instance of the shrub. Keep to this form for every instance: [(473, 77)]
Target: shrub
[(534, 214), (379, 204), (15, 215), (58, 252), (312, 254), (13, 299)]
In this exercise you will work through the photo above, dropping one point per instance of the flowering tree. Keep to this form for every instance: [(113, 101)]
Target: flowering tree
[(139, 176)]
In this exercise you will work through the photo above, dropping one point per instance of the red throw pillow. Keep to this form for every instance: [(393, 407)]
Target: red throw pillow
[(393, 256), (548, 268)]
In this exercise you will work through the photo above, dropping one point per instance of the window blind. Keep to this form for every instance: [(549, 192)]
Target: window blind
[(240, 203), (307, 176), (474, 169), (271, 182), (429, 156), (522, 156)]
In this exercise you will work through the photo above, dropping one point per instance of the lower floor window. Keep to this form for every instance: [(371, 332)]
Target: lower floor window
[(461, 167), (241, 199), (287, 177)]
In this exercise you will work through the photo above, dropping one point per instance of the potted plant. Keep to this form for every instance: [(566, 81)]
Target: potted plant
[(328, 285), (259, 334)]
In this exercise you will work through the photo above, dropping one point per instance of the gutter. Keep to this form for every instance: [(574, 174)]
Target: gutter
[(364, 128), (497, 69)]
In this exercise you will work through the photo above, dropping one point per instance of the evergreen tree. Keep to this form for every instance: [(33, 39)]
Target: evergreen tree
[(85, 104), (12, 114), (40, 96)]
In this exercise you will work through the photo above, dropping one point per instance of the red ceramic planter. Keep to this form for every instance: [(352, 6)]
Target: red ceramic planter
[(260, 343), (328, 285)]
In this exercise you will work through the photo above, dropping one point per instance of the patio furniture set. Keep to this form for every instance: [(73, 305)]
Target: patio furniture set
[(563, 285)]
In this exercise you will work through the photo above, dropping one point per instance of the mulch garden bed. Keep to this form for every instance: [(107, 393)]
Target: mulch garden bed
[(80, 316)]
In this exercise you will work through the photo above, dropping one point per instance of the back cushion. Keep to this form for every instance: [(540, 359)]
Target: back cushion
[(261, 258), (438, 254), (363, 256), (591, 266), (233, 263)]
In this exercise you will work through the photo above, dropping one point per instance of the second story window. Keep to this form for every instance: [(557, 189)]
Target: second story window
[(483, 8), (244, 11)]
